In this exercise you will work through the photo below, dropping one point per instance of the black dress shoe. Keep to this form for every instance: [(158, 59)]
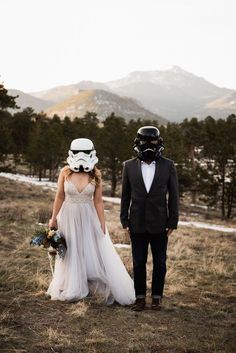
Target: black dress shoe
[(139, 304), (156, 304)]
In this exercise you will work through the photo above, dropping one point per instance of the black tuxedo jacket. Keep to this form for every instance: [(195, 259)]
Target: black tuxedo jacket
[(152, 211)]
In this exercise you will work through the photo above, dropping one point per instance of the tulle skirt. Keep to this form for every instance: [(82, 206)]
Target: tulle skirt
[(91, 264)]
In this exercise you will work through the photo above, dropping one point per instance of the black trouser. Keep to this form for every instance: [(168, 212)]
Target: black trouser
[(140, 244)]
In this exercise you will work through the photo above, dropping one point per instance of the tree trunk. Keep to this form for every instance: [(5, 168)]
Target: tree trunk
[(54, 174), (50, 174), (40, 174), (231, 194), (193, 189), (113, 183), (229, 204), (223, 193)]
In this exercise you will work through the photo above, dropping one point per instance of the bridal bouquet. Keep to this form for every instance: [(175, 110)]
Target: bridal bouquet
[(50, 237)]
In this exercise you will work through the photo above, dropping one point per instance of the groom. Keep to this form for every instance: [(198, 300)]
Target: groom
[(149, 211)]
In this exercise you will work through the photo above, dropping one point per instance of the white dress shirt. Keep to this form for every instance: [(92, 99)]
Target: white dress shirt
[(148, 171)]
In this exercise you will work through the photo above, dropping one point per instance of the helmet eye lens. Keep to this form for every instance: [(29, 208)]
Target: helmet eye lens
[(142, 142), (84, 151)]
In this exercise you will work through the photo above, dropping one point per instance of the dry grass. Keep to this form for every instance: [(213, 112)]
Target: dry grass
[(199, 304)]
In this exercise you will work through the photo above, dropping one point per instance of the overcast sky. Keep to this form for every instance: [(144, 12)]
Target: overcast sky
[(45, 43)]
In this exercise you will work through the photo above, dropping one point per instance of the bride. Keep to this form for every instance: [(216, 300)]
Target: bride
[(91, 264)]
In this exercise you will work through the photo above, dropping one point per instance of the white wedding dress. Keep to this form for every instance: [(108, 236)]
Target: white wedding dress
[(91, 264)]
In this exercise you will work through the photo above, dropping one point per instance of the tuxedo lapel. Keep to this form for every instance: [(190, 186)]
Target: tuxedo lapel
[(156, 174), (139, 174)]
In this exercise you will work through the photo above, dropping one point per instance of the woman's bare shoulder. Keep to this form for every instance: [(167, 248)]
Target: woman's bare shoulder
[(65, 168), (64, 172)]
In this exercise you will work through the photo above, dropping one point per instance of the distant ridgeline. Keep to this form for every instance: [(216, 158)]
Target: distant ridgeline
[(171, 95)]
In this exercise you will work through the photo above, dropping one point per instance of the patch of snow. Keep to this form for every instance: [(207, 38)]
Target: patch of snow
[(29, 179), (126, 246), (199, 206), (115, 200), (203, 225)]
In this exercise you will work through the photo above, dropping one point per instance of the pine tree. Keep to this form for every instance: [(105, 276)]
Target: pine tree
[(46, 149), (113, 149), (6, 101), (6, 141), (192, 138), (219, 150), (22, 123)]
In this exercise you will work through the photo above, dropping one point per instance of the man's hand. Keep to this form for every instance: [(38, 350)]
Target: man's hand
[(127, 230), (126, 235), (169, 231)]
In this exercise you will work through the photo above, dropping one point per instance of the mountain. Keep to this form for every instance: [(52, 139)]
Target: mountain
[(174, 93), (228, 101), (26, 100), (222, 107), (61, 93), (103, 103)]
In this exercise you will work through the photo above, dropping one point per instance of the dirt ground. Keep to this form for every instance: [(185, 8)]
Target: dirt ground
[(198, 314)]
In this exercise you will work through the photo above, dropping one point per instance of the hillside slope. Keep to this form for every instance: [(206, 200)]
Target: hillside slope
[(103, 103)]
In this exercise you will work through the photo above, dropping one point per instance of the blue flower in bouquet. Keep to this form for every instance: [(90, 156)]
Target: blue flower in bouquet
[(50, 237), (39, 239)]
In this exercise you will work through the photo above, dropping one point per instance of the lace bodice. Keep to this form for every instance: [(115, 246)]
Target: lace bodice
[(75, 196)]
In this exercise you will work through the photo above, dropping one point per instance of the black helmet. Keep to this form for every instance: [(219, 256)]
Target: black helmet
[(148, 133), (148, 144)]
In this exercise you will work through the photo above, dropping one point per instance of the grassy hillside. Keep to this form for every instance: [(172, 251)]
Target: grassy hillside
[(103, 103), (198, 309)]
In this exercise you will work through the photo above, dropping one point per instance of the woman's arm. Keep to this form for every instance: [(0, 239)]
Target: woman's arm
[(98, 203), (59, 198)]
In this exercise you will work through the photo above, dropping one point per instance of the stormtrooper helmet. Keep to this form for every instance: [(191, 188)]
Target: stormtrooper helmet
[(82, 155)]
